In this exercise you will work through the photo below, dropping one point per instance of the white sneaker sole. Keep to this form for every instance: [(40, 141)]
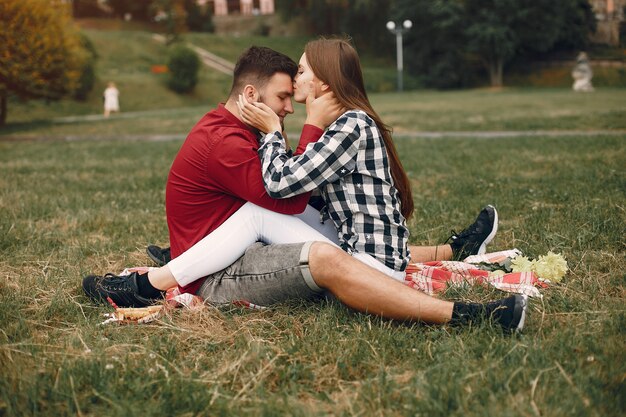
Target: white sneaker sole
[(522, 319), (483, 247)]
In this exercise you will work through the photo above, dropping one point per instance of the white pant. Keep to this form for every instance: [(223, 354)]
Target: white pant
[(251, 224)]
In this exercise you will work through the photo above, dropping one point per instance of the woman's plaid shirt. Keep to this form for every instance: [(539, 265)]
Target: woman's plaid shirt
[(349, 165)]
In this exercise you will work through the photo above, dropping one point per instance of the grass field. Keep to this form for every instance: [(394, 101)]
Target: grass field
[(474, 110), (69, 208)]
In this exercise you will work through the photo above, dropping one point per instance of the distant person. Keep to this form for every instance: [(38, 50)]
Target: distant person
[(111, 99), (582, 74)]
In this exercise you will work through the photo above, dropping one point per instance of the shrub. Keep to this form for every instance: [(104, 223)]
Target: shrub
[(87, 77), (183, 65)]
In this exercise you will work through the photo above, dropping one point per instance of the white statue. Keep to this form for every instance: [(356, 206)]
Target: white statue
[(582, 74)]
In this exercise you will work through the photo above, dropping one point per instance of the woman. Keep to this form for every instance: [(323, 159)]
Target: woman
[(354, 164)]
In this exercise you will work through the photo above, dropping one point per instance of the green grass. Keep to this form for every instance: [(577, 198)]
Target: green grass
[(473, 110), (69, 208)]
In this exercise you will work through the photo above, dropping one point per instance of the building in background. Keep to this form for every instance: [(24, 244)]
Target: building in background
[(610, 15), (241, 7)]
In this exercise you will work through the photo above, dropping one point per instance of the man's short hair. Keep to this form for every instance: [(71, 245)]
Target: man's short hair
[(258, 64)]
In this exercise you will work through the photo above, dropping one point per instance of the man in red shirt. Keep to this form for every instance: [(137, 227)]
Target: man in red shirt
[(217, 171)]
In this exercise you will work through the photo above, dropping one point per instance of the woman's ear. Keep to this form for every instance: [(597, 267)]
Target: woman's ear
[(250, 93), (324, 88)]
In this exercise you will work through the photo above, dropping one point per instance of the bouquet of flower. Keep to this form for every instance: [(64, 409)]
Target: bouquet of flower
[(551, 267)]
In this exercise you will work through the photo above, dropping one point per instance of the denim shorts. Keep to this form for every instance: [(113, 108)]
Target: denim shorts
[(264, 275)]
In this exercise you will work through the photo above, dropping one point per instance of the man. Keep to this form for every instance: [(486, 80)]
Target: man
[(217, 170)]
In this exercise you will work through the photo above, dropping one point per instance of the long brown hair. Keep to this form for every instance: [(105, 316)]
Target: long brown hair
[(336, 63)]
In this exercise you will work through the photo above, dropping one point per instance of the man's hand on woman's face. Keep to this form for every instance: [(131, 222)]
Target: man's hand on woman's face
[(323, 110), (258, 115)]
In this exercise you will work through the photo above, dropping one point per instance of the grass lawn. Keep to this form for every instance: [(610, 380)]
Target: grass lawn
[(473, 110), (70, 208)]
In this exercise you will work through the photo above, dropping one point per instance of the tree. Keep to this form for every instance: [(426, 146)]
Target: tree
[(435, 47), (87, 78), (40, 51), (500, 29), (448, 34), (199, 19), (363, 20), (173, 15)]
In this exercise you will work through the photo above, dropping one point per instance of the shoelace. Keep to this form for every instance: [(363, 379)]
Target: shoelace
[(471, 230), (453, 236), (117, 283)]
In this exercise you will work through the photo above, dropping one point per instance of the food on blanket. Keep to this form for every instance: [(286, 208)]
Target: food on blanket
[(136, 314)]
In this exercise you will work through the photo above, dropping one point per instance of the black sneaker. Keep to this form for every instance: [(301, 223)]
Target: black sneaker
[(474, 239), (122, 290), (510, 312), (160, 256)]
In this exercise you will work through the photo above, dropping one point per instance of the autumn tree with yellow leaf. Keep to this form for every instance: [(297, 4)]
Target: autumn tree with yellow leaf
[(41, 55)]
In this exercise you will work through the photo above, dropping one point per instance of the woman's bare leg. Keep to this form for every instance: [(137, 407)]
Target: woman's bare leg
[(430, 253)]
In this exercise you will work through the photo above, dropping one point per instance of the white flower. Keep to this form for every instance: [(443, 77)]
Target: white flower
[(552, 266), (521, 264)]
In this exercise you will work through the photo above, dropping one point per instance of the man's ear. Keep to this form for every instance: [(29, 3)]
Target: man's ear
[(250, 93)]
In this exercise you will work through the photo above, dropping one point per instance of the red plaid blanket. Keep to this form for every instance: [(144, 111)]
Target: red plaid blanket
[(433, 277)]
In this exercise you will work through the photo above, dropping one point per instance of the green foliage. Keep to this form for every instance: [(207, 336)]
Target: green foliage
[(435, 47), (87, 78), (172, 15), (363, 20), (577, 22), (450, 37), (183, 65), (198, 20), (40, 50)]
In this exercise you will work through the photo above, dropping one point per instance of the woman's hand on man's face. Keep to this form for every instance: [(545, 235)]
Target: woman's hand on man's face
[(323, 110), (258, 115)]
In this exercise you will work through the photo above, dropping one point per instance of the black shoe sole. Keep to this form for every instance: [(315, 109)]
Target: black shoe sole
[(155, 253)]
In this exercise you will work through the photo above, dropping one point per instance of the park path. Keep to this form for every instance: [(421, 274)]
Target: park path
[(485, 134), (209, 59)]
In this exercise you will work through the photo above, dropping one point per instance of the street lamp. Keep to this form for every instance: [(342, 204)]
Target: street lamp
[(398, 31)]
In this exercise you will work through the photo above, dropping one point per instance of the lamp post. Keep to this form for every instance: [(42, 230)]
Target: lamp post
[(398, 31)]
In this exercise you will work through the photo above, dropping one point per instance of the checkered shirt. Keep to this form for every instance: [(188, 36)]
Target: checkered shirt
[(349, 165)]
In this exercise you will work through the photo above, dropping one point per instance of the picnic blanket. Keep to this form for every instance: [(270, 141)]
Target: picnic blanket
[(429, 277), (436, 276)]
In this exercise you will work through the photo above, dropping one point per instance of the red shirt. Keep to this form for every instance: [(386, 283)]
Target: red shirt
[(217, 170)]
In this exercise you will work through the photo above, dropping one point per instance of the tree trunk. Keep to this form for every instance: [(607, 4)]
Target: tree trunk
[(495, 72), (3, 106)]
